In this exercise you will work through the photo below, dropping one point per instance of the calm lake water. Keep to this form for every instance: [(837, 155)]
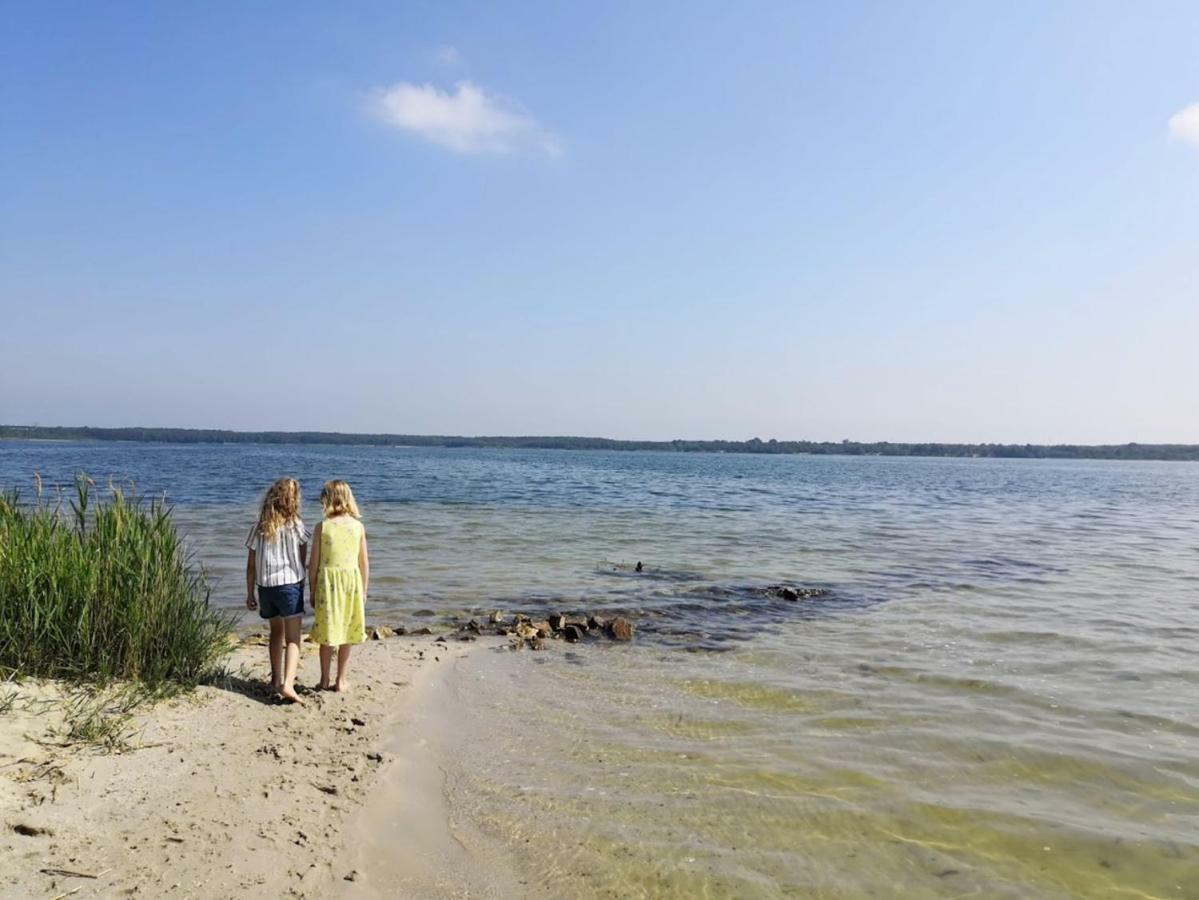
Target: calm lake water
[(998, 697)]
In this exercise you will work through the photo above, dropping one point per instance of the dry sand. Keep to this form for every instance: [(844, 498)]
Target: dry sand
[(222, 794)]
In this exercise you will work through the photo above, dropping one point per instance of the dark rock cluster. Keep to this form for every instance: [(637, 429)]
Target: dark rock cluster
[(783, 592), (523, 632)]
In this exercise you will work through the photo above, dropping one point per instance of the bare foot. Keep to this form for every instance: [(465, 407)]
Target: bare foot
[(289, 694), (342, 687), (324, 686)]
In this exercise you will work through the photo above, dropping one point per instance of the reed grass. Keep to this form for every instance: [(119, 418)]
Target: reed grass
[(103, 589)]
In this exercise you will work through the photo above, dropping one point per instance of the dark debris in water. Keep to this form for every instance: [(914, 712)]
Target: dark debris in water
[(675, 611), (640, 571), (703, 617)]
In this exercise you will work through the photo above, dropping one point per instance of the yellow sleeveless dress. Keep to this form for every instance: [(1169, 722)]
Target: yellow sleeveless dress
[(340, 617)]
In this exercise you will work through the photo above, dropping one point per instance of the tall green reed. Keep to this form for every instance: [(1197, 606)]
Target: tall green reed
[(102, 590)]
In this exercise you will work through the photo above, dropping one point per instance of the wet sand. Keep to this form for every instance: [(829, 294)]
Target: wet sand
[(222, 794), (405, 840)]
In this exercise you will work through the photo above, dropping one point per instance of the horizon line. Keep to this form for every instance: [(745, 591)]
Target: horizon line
[(299, 433)]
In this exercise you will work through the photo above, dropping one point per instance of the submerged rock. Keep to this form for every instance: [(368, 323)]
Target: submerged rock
[(620, 629), (783, 592)]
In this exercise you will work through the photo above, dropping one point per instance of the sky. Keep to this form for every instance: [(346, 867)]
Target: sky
[(897, 221)]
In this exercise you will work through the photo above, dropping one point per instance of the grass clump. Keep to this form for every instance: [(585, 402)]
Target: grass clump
[(103, 590), (102, 718)]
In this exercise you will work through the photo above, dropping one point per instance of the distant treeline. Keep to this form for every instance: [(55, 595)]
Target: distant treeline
[(848, 448)]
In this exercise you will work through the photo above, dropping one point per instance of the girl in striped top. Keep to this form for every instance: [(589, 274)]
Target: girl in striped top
[(278, 553)]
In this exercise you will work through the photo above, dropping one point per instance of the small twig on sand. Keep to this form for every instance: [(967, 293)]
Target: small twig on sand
[(67, 894), (68, 873)]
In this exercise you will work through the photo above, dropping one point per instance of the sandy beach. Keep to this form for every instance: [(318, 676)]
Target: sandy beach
[(220, 793)]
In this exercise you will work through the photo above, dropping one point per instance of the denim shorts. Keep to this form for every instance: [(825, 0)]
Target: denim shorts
[(285, 600)]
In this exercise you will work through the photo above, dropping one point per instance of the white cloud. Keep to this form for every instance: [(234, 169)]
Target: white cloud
[(465, 120), (1184, 124)]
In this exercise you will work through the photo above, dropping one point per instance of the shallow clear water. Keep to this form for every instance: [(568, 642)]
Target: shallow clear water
[(999, 695)]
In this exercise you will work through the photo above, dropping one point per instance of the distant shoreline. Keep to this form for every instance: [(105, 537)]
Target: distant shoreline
[(1131, 451)]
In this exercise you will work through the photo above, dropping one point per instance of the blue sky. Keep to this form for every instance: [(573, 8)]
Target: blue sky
[(903, 221)]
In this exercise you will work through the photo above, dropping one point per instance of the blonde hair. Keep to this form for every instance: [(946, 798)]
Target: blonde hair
[(338, 499), (280, 505)]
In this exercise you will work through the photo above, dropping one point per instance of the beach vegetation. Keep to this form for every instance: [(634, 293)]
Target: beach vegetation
[(102, 717), (99, 589)]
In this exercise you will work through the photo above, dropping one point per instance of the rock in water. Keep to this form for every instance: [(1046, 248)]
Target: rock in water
[(573, 632), (496, 617), (789, 593), (620, 629), (557, 622), (596, 624)]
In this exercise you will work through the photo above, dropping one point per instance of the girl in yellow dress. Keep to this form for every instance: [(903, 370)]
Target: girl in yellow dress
[(338, 571)]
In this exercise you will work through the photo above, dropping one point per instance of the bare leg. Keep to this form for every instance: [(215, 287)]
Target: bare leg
[(326, 664), (276, 651), (343, 665), (291, 632)]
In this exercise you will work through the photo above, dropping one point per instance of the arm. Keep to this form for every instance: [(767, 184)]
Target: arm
[(314, 562), (364, 564), (251, 600)]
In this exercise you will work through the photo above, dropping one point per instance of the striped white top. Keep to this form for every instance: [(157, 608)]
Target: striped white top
[(277, 561)]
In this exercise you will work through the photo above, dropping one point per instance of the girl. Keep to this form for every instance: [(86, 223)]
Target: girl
[(339, 572), (278, 546)]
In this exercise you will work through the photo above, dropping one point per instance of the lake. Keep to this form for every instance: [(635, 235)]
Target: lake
[(997, 695)]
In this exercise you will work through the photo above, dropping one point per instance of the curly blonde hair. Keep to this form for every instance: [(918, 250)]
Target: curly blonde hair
[(338, 499), (280, 505)]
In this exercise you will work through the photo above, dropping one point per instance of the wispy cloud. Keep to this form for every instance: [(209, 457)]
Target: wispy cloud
[(447, 55), (1184, 124), (465, 120)]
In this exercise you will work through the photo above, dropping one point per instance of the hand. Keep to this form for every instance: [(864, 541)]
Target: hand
[(251, 601)]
